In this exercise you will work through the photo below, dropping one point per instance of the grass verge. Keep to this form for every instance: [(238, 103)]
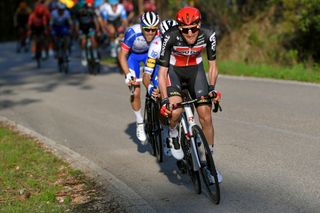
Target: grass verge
[(34, 180), (296, 73)]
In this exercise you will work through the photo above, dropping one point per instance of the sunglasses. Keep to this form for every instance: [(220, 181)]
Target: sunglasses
[(186, 30), (150, 29)]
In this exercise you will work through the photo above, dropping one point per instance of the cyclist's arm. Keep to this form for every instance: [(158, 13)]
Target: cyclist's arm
[(123, 60), (212, 72), (96, 24), (124, 18), (126, 46), (146, 79), (211, 55), (162, 77)]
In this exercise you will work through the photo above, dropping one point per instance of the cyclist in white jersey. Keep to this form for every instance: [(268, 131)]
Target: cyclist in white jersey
[(114, 16), (150, 76), (134, 50)]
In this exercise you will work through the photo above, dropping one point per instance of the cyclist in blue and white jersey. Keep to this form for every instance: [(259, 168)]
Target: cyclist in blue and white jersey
[(150, 76), (61, 26), (134, 50), (115, 18)]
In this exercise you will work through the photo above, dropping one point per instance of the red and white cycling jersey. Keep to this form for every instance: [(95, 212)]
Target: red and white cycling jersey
[(177, 52)]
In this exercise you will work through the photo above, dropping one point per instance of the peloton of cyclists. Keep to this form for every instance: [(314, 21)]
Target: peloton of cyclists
[(181, 62), (134, 50)]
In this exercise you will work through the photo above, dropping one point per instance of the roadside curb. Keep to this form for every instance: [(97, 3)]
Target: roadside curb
[(128, 198)]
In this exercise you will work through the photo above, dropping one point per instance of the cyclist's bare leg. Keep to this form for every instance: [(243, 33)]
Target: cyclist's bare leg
[(205, 118), (111, 32), (136, 101), (175, 116), (93, 42), (66, 44)]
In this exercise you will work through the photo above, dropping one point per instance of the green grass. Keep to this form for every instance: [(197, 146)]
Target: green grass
[(297, 73), (108, 60), (29, 176)]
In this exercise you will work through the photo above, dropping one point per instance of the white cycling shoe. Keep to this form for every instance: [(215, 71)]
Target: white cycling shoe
[(141, 135), (211, 178), (84, 61), (175, 148)]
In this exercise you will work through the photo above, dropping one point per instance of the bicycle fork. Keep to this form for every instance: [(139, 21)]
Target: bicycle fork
[(187, 124)]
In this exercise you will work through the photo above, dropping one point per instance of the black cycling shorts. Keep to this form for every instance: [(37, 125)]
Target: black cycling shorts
[(192, 78)]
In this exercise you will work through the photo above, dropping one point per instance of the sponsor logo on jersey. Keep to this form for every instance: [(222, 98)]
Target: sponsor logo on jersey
[(151, 62), (189, 51), (212, 39), (154, 54), (165, 41)]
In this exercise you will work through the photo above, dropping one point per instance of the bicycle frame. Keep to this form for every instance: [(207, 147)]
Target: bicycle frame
[(188, 122)]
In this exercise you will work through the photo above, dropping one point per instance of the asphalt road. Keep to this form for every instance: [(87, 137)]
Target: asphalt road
[(267, 137)]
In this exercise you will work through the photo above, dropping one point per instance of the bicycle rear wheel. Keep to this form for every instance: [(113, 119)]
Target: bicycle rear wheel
[(188, 162), (156, 131), (208, 169)]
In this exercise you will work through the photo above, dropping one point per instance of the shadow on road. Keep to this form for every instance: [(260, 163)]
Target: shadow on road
[(20, 70), (168, 167), (131, 131)]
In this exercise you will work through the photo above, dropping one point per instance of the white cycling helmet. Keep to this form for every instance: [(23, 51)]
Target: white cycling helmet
[(165, 25), (61, 6), (149, 19)]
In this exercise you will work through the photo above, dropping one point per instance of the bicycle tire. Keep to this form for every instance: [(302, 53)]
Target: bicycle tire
[(156, 131), (66, 66), (187, 159), (148, 125), (207, 164), (60, 64), (38, 57)]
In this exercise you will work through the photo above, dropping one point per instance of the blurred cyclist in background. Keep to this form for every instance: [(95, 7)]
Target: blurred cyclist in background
[(87, 26), (21, 18), (115, 18), (61, 26), (38, 25)]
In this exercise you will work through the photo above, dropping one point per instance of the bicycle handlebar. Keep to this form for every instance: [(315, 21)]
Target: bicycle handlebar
[(137, 81), (216, 108)]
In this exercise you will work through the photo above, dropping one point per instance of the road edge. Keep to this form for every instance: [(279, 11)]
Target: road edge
[(129, 199)]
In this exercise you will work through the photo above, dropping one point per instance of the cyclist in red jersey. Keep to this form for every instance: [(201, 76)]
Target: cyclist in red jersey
[(181, 66)]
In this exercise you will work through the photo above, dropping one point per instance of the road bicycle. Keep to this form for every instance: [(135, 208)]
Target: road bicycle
[(62, 56), (153, 126), (93, 65), (198, 160)]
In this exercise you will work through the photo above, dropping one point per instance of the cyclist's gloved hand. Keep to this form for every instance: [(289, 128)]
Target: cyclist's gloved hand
[(153, 91), (129, 78), (211, 90), (164, 111), (214, 93)]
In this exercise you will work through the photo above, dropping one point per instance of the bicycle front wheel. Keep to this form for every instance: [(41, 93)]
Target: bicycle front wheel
[(188, 161), (156, 131), (148, 125), (208, 169)]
